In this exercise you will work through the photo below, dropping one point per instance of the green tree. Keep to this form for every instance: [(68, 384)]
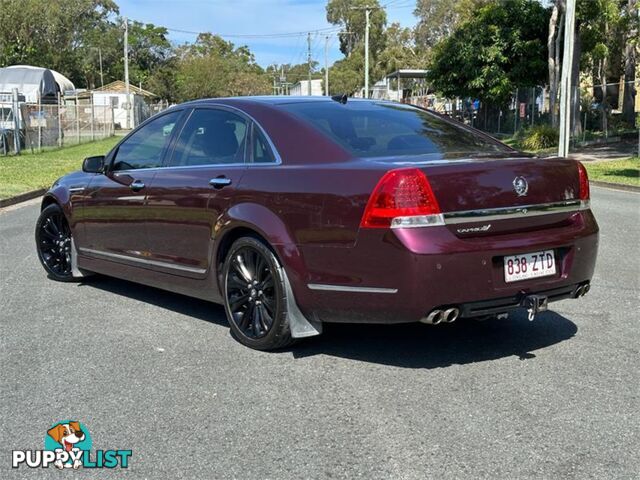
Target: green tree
[(400, 51), (554, 36), (149, 49), (214, 67), (104, 40), (603, 34), (50, 33), (605, 44), (350, 16), (437, 19), (493, 53), (295, 73), (163, 80), (346, 75), (632, 29)]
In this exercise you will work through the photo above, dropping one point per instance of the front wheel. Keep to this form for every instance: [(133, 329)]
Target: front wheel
[(255, 295), (54, 243)]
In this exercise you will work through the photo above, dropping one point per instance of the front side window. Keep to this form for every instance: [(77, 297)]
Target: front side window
[(143, 149), (210, 137)]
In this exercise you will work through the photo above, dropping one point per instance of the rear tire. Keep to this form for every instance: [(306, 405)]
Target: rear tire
[(54, 244), (255, 296)]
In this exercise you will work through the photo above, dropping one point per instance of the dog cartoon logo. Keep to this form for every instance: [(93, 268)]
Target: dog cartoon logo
[(67, 445), (73, 439)]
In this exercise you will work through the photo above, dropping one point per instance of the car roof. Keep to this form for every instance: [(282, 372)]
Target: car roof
[(270, 100)]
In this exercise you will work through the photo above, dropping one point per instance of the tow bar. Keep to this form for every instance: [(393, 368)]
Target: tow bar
[(535, 304)]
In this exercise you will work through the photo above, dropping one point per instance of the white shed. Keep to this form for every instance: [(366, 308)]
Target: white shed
[(114, 94), (301, 88)]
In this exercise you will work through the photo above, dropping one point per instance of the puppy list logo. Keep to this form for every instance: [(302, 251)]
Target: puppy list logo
[(67, 444)]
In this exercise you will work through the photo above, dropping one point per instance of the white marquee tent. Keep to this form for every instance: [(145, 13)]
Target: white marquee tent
[(35, 83)]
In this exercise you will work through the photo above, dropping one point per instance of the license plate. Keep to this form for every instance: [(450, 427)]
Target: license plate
[(529, 265)]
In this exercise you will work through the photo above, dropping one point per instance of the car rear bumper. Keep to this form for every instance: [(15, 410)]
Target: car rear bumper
[(507, 304), (398, 276)]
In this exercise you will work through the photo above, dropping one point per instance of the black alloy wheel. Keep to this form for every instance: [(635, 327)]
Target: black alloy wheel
[(255, 295), (53, 242)]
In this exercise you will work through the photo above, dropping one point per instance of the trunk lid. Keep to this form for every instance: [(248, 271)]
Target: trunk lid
[(489, 184), (501, 186)]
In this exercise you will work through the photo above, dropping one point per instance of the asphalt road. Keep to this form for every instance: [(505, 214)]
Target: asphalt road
[(159, 374)]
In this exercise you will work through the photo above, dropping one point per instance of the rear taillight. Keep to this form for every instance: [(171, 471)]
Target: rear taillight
[(584, 182), (403, 198)]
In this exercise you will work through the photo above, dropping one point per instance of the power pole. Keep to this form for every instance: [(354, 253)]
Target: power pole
[(366, 53), (309, 61), (275, 74), (126, 69), (367, 11), (565, 80), (100, 57), (326, 65)]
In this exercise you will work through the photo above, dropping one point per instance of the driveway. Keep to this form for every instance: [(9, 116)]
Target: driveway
[(158, 373)]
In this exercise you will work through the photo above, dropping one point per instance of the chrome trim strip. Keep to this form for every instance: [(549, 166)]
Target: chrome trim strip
[(524, 211), (344, 288), (76, 189), (183, 167), (144, 261)]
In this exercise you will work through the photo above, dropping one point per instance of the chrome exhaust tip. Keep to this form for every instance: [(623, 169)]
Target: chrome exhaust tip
[(586, 289), (450, 315), (434, 318), (579, 291)]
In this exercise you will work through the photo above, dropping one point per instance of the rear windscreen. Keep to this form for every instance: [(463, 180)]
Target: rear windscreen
[(369, 129)]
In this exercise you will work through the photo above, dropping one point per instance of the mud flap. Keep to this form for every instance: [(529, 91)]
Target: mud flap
[(300, 326), (75, 271)]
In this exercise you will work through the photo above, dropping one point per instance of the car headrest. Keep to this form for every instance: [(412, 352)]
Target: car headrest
[(219, 140)]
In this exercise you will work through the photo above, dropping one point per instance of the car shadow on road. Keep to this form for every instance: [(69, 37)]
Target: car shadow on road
[(193, 307), (405, 345), (428, 346)]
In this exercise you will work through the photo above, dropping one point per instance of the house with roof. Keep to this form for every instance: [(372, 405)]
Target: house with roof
[(129, 110)]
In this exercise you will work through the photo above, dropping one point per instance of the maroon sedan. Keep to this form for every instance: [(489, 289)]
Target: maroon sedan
[(293, 212)]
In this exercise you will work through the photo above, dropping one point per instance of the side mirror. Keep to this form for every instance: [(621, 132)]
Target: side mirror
[(93, 164)]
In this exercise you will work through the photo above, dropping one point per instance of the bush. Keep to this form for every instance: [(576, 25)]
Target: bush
[(520, 135), (540, 137)]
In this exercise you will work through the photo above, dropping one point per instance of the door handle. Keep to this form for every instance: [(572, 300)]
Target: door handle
[(220, 182), (136, 185)]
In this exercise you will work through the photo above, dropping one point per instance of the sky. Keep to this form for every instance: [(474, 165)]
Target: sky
[(234, 20)]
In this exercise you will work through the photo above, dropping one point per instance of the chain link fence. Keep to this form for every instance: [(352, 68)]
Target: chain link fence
[(41, 126), (527, 121), (53, 125)]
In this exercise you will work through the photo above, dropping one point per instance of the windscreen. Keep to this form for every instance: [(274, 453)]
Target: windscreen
[(369, 129)]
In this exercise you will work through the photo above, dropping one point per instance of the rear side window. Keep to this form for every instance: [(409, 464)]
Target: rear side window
[(210, 137), (261, 151), (369, 129), (143, 149)]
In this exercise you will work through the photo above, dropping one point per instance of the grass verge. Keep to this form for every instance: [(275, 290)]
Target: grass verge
[(517, 144), (625, 171), (32, 171)]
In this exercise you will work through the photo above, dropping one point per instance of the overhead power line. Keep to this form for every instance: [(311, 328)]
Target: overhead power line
[(394, 6), (259, 35)]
